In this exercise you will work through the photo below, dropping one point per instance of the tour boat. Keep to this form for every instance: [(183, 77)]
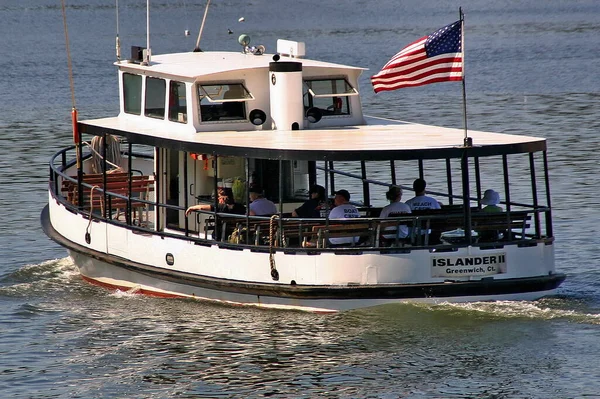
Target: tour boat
[(193, 124)]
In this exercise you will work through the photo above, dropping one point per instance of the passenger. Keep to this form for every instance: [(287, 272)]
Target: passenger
[(491, 199), (396, 208), (226, 204), (420, 200), (343, 209), (315, 207), (259, 205)]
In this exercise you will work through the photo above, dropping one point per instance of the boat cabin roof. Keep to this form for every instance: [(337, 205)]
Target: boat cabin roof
[(379, 139), (192, 65)]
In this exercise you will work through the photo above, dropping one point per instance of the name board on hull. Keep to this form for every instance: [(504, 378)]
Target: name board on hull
[(465, 266)]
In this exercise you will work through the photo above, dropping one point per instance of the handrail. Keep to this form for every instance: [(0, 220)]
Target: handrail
[(291, 227)]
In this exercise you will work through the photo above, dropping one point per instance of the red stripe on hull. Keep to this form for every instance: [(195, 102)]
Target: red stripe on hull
[(140, 291)]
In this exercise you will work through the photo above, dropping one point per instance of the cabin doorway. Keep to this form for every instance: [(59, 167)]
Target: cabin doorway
[(172, 185)]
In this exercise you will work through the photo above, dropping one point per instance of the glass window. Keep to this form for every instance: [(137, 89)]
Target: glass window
[(155, 98), (329, 95), (219, 102), (177, 102), (132, 93)]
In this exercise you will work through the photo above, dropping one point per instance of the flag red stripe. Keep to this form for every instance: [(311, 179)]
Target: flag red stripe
[(450, 72), (418, 82), (413, 48), (425, 65), (414, 84)]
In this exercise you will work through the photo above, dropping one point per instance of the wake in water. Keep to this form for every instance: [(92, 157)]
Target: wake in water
[(49, 276), (62, 275), (543, 309)]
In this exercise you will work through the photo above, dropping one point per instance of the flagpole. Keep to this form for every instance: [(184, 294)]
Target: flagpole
[(468, 141)]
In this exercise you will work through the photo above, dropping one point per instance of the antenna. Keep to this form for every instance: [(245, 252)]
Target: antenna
[(148, 52), (117, 41), (197, 48)]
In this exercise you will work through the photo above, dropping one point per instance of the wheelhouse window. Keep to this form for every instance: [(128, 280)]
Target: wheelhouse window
[(132, 93), (177, 102), (155, 98), (223, 102), (329, 95)]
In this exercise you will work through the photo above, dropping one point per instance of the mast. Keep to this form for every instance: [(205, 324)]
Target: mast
[(148, 52), (117, 40), (468, 141), (197, 48)]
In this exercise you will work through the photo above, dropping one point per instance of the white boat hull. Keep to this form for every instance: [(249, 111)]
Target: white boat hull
[(122, 259)]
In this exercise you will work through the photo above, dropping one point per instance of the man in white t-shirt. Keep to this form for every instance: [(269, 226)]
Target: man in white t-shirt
[(420, 200), (396, 208), (343, 210)]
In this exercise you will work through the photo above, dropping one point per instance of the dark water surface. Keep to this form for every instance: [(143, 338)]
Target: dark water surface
[(532, 68)]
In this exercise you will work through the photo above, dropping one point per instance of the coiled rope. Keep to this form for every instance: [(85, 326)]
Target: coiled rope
[(274, 272)]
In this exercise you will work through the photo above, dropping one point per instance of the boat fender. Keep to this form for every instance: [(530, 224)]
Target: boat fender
[(275, 275)]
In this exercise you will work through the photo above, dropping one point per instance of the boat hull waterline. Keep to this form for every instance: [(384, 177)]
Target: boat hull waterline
[(116, 273)]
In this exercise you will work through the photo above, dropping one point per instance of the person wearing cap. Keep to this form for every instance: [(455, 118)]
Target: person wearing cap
[(315, 207), (491, 199), (343, 209), (259, 205), (421, 201), (396, 208)]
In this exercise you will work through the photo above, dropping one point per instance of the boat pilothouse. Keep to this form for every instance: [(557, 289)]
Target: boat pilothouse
[(192, 125)]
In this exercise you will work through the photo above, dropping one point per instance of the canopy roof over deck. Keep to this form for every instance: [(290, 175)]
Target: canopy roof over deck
[(379, 140)]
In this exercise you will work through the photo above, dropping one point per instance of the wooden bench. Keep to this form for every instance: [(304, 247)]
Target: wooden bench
[(316, 233), (489, 225), (393, 225), (320, 234), (112, 192), (259, 231), (482, 222)]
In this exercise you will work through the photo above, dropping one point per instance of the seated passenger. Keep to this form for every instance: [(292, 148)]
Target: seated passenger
[(259, 205), (315, 207), (226, 204), (420, 200), (491, 199), (396, 208), (343, 209)]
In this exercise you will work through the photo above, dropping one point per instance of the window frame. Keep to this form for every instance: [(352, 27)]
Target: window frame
[(147, 112), (177, 106), (131, 96), (345, 109)]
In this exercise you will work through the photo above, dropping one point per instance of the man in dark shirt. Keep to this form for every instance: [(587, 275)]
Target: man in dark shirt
[(315, 207)]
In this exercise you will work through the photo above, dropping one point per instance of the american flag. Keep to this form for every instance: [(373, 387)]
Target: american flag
[(431, 59)]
